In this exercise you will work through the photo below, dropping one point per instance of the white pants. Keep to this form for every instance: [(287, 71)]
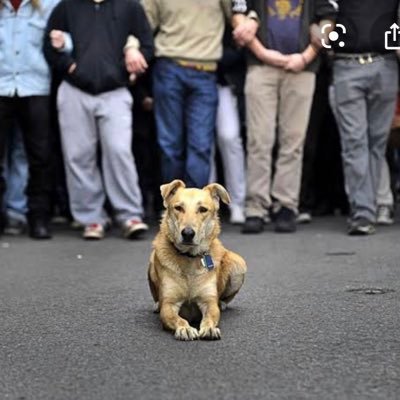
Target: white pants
[(230, 146), (384, 195)]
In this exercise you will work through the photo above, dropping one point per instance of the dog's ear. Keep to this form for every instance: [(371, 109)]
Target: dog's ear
[(169, 189), (218, 192)]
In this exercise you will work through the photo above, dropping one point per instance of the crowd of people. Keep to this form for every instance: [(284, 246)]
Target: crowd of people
[(101, 101)]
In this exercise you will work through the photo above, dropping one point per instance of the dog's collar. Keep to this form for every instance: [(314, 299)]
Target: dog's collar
[(206, 259)]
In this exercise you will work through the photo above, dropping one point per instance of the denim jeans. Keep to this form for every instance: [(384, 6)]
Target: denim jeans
[(16, 176), (185, 110)]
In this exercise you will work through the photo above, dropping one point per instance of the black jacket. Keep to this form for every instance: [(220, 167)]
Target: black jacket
[(232, 66), (313, 11), (99, 32)]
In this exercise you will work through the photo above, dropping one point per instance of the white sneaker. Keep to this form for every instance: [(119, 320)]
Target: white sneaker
[(304, 218), (237, 214), (134, 229), (384, 215), (93, 232)]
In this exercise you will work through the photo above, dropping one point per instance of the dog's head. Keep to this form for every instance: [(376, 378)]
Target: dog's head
[(191, 216)]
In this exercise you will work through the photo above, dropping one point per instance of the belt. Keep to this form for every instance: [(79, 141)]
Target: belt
[(198, 66), (362, 58)]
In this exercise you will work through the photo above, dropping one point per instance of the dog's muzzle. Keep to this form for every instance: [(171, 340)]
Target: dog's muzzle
[(187, 235)]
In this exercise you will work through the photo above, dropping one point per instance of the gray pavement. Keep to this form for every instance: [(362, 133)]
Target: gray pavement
[(76, 321)]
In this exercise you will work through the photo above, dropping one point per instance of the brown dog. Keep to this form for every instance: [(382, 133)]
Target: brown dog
[(191, 274)]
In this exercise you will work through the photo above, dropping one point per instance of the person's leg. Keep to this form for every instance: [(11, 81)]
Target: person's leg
[(34, 120), (384, 199), (200, 117), (384, 195), (296, 95), (168, 93), (262, 94), (231, 147), (16, 177), (350, 83), (381, 102), (79, 140), (318, 115), (121, 181), (7, 108), (294, 110)]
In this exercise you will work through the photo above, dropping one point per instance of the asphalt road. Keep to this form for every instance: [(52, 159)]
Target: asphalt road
[(76, 321)]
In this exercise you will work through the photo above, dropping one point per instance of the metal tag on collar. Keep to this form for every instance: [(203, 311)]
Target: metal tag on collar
[(207, 262)]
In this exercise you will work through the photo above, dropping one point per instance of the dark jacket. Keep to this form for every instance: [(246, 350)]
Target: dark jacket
[(232, 66), (99, 32), (313, 11)]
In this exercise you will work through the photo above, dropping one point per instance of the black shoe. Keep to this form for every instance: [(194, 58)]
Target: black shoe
[(39, 229), (285, 220), (253, 225), (360, 227), (14, 227)]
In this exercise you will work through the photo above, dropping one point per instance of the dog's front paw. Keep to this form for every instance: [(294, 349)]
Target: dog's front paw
[(186, 333), (156, 308), (210, 333)]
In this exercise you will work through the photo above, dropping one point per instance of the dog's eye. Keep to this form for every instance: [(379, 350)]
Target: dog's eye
[(178, 208), (203, 210)]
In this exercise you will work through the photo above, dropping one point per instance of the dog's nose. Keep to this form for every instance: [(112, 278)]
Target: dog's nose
[(188, 234)]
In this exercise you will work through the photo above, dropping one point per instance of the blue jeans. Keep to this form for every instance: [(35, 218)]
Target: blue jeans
[(185, 111), (16, 176)]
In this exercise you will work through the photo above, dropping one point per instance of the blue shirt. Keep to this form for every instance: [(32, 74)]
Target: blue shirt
[(283, 25), (23, 68)]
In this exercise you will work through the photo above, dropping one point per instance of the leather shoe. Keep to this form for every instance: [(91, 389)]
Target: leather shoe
[(39, 229)]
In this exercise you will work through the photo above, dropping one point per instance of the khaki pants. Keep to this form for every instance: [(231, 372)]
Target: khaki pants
[(277, 103)]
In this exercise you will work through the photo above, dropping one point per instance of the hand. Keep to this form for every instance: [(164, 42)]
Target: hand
[(134, 61), (72, 68), (245, 31), (296, 63), (273, 57), (57, 39), (148, 103)]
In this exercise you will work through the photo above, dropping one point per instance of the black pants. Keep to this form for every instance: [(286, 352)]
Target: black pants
[(33, 116)]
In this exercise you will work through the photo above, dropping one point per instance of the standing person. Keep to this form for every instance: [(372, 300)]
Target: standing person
[(365, 84), (230, 77), (279, 90), (95, 107), (188, 45), (24, 98)]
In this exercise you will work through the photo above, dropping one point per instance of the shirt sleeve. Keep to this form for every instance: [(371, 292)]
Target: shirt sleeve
[(152, 11), (142, 31), (240, 6), (58, 60), (326, 9)]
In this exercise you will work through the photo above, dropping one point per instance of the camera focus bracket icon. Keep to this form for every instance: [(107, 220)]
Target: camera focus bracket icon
[(333, 36)]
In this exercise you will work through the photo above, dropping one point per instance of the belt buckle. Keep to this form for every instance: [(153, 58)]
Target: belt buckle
[(365, 59)]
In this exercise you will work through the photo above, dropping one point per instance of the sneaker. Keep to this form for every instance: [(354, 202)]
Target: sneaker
[(237, 215), (93, 232), (134, 229), (304, 218), (384, 215), (253, 225), (360, 226), (285, 220), (14, 227)]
